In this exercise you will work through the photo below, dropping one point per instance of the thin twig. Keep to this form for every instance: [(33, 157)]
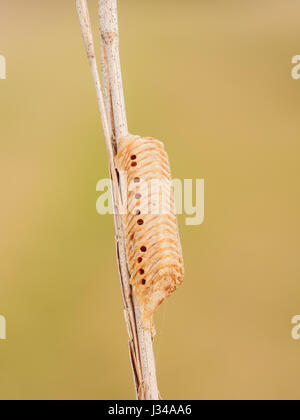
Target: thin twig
[(85, 25), (113, 116), (107, 93), (108, 17)]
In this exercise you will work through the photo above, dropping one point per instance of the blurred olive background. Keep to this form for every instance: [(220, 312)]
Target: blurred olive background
[(212, 79)]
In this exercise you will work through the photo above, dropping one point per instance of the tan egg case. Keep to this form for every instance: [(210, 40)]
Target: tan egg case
[(153, 246)]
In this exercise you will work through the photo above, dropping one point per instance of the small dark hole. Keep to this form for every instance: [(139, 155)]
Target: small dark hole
[(143, 249), (138, 196), (138, 212), (133, 157), (133, 164), (140, 222), (136, 180), (142, 271), (144, 281), (140, 260)]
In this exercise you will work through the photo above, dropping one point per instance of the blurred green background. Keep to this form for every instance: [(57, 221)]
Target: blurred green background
[(212, 79)]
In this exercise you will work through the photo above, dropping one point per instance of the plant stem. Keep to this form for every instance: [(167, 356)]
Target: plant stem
[(108, 17), (141, 344), (85, 24), (113, 116)]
